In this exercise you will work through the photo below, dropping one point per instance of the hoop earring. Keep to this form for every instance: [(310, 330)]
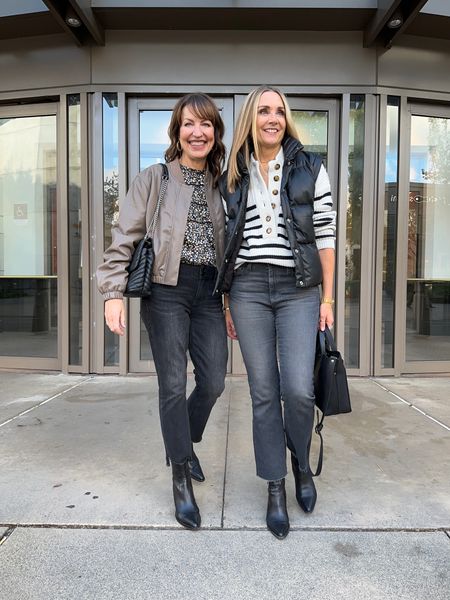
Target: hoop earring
[(179, 148)]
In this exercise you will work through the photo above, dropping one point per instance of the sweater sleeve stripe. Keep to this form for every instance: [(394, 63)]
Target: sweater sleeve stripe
[(324, 217)]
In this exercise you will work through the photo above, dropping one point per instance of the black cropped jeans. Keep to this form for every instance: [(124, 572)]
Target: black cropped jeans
[(182, 318)]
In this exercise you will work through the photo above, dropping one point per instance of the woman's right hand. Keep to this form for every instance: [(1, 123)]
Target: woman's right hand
[(115, 315), (231, 331)]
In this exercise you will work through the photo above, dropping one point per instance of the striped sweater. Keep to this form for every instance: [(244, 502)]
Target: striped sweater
[(265, 238)]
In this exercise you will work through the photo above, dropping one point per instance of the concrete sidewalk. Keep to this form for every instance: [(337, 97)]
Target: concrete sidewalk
[(86, 509)]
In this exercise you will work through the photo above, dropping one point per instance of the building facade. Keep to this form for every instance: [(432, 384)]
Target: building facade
[(83, 108)]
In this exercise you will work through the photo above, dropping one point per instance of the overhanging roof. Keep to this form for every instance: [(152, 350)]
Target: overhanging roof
[(22, 18)]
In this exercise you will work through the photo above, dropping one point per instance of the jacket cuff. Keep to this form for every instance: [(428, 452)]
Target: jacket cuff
[(111, 295)]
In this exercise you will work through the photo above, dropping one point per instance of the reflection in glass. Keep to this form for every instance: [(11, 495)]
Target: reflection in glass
[(312, 127), (28, 237), (428, 283), (110, 197), (353, 230), (390, 232), (153, 136), (75, 231), (153, 142)]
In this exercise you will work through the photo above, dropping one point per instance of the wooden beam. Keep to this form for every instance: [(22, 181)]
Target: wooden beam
[(90, 31), (385, 10), (410, 10), (84, 11), (57, 9), (377, 31)]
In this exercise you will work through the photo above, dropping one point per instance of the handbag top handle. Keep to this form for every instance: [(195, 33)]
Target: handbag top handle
[(326, 340)]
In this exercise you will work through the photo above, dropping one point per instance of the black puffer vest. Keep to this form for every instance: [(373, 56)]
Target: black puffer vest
[(298, 181)]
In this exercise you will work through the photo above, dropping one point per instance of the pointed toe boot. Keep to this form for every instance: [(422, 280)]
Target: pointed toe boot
[(305, 489), (186, 509), (277, 517), (196, 468)]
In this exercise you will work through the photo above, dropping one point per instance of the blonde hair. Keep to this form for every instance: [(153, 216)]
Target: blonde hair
[(245, 139)]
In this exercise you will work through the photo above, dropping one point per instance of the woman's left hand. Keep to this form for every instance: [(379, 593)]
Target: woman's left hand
[(231, 331), (326, 316)]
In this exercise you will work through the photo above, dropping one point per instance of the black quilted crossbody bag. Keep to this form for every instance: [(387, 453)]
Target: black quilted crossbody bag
[(139, 283)]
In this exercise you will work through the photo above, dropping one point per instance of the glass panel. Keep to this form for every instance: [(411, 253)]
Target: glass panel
[(390, 232), (353, 230), (312, 127), (110, 198), (75, 232), (28, 237), (428, 283), (153, 137), (153, 141)]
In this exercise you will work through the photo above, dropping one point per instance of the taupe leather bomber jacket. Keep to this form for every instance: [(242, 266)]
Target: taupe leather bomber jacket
[(136, 213)]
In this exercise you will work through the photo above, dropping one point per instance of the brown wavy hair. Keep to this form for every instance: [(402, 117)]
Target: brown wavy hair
[(203, 107)]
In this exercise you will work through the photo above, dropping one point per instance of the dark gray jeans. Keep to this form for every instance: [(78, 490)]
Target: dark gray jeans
[(276, 323), (180, 318)]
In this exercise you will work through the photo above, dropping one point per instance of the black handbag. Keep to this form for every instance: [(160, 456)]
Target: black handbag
[(330, 384), (139, 281), (330, 377)]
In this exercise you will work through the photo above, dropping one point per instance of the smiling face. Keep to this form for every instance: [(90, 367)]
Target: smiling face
[(270, 122), (196, 139)]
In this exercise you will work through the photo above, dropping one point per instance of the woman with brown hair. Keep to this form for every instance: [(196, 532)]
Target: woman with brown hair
[(279, 249), (183, 313)]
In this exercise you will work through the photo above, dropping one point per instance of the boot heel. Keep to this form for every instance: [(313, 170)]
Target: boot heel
[(196, 468)]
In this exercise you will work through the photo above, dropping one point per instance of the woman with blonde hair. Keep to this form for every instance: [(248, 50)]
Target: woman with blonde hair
[(183, 313), (279, 249)]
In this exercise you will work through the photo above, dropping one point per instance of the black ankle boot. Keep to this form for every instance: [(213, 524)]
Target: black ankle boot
[(186, 509), (196, 468), (305, 490), (277, 517)]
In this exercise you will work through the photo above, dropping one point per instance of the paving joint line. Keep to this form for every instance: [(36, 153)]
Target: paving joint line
[(73, 527), (7, 534), (447, 533), (222, 516), (24, 412), (410, 404)]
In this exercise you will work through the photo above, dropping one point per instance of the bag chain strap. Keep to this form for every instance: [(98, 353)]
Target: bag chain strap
[(162, 192)]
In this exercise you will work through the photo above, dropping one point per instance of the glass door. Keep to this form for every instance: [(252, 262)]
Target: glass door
[(148, 120), (28, 238), (318, 128), (425, 305)]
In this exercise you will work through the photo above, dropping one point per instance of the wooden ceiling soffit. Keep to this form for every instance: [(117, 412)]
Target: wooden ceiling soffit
[(90, 32), (379, 33)]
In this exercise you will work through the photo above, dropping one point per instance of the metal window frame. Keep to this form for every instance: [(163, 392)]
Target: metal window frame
[(85, 220), (366, 296), (94, 302), (368, 236), (97, 343), (123, 187), (378, 369), (97, 322), (402, 366), (341, 222), (42, 110)]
